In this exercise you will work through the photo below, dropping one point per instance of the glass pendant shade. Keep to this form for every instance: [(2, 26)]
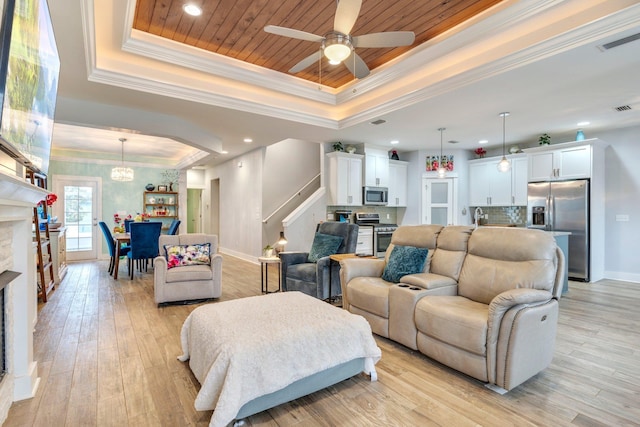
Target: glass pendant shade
[(504, 165), (122, 173), (337, 47)]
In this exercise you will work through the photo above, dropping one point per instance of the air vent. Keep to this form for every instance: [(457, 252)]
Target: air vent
[(453, 142), (622, 108), (378, 122), (619, 42)]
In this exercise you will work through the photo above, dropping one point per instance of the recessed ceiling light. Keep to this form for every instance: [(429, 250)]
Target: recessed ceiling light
[(583, 123), (192, 9), (248, 140), (224, 152), (395, 142), (483, 141)]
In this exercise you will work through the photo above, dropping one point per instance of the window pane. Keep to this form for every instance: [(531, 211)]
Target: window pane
[(439, 192), (78, 214), (439, 216)]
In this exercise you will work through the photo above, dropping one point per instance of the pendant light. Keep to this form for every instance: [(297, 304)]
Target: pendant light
[(504, 165), (122, 173), (442, 171)]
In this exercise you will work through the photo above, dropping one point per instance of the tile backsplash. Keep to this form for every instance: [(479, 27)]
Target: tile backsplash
[(392, 213), (504, 215)]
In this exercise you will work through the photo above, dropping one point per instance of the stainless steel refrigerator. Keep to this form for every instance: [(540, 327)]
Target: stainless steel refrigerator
[(563, 206)]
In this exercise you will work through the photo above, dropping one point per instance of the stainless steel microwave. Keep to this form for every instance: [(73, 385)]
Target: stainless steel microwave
[(378, 196)]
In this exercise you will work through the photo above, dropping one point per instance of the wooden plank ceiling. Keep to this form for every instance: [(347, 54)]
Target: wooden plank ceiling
[(235, 28)]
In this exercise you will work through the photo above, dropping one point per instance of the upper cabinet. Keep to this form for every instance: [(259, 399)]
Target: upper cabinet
[(397, 183), (490, 187), (571, 160), (345, 179), (376, 170)]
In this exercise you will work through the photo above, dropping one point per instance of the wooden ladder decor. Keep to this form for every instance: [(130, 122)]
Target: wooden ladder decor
[(43, 241)]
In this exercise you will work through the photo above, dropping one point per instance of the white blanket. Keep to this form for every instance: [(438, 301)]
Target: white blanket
[(242, 349)]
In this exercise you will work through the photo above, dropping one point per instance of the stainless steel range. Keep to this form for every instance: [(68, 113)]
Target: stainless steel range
[(381, 232)]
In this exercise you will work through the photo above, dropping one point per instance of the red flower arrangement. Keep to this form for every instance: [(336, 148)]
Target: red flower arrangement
[(50, 199), (480, 152)]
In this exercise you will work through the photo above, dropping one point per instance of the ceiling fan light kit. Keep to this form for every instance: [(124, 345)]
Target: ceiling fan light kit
[(338, 45)]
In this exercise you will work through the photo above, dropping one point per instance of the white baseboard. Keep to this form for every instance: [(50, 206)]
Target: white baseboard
[(243, 256), (623, 276)]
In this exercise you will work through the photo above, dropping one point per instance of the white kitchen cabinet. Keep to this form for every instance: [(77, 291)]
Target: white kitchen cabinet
[(490, 187), (376, 169), (397, 183), (519, 180), (345, 179), (365, 240), (570, 162)]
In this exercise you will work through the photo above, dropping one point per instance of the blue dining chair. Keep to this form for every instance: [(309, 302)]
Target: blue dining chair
[(173, 228), (144, 243), (111, 244), (127, 222)]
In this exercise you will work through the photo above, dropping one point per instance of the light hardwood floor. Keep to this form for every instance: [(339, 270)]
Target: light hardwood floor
[(107, 357)]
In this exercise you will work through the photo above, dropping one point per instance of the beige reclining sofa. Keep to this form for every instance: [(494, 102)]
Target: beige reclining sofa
[(485, 304)]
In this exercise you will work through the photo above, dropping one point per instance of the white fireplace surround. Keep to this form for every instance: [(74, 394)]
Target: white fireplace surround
[(17, 200)]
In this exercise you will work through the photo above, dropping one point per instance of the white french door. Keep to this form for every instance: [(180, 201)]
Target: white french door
[(79, 212)]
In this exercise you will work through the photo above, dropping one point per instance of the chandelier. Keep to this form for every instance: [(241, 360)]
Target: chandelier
[(122, 173)]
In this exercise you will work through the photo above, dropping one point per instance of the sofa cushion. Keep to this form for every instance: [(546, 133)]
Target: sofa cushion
[(503, 259), (184, 255), (455, 320), (189, 273), (451, 251), (324, 245), (404, 260), (370, 294)]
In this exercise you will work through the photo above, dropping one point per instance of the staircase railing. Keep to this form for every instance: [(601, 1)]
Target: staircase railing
[(290, 199)]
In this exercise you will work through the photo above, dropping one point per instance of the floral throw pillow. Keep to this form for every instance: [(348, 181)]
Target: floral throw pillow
[(182, 255)]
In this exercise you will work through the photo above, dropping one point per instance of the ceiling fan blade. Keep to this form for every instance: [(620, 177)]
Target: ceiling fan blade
[(294, 34), (346, 15), (311, 59), (388, 39), (359, 69)]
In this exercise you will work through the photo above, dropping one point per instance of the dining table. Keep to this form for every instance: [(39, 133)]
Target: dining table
[(119, 240)]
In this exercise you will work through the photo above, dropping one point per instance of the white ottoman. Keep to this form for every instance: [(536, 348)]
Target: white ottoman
[(254, 353)]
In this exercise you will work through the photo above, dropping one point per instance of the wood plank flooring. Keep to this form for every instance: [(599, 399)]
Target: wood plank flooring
[(107, 357)]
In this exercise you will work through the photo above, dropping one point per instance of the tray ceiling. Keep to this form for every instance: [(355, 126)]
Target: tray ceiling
[(234, 28)]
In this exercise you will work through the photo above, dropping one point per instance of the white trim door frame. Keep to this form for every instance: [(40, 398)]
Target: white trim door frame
[(79, 208)]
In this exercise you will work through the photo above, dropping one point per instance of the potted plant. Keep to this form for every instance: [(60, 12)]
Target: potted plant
[(268, 251), (480, 152), (337, 146), (544, 139)]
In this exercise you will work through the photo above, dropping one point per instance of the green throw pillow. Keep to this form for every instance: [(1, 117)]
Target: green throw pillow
[(324, 245), (404, 260)]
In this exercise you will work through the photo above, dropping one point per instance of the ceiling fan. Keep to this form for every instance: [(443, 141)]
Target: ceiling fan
[(338, 45)]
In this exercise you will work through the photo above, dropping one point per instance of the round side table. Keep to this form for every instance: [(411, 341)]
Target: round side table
[(264, 273)]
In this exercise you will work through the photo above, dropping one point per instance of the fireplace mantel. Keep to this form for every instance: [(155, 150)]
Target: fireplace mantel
[(15, 191)]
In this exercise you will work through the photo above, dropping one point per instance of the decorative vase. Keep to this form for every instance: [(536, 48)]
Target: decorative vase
[(150, 187), (268, 253), (579, 135), (394, 155), (351, 149), (171, 186)]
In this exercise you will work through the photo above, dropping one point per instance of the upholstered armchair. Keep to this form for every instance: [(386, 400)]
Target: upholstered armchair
[(303, 272), (191, 273)]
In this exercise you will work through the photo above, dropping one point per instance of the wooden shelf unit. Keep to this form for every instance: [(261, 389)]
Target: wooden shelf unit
[(43, 241), (161, 206)]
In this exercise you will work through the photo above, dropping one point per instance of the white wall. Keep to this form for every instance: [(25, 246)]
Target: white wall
[(622, 197)]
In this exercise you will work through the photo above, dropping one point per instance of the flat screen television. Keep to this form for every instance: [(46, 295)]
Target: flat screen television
[(29, 70)]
